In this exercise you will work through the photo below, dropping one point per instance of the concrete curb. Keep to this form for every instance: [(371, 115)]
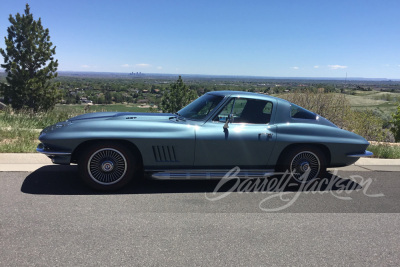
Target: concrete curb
[(22, 162), (376, 162), (24, 158)]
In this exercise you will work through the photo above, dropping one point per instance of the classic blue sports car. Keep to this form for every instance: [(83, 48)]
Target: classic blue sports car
[(216, 132)]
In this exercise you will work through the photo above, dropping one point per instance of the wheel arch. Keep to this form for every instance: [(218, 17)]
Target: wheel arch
[(131, 146), (324, 149)]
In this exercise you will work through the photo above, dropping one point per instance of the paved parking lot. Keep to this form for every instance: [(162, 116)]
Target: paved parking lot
[(49, 218)]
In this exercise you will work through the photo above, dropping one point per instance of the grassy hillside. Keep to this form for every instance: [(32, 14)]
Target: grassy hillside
[(383, 103), (80, 109), (19, 131)]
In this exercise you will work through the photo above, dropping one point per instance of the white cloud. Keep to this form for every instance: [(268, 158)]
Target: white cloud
[(125, 65), (295, 68), (337, 67), (143, 65), (89, 67), (159, 68), (316, 67)]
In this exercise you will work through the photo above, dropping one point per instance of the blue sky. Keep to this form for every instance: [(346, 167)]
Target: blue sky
[(279, 38)]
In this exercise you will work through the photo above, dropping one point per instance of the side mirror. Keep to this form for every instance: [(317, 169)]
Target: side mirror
[(228, 120)]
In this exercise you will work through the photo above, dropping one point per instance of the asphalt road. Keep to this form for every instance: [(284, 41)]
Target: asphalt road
[(49, 218)]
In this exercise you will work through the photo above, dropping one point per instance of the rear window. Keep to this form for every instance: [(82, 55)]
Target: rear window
[(297, 112)]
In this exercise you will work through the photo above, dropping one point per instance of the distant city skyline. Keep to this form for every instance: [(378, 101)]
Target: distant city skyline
[(288, 38)]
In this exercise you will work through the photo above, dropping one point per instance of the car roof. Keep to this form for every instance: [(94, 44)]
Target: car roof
[(246, 94)]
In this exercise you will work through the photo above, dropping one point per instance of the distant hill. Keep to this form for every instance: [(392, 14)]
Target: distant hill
[(168, 76), (203, 76)]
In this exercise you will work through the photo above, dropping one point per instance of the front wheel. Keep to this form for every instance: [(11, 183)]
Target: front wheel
[(107, 166), (304, 163)]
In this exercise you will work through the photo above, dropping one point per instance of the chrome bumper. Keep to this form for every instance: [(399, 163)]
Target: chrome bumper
[(57, 157), (365, 154)]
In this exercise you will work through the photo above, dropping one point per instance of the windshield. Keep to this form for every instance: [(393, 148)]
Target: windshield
[(201, 107)]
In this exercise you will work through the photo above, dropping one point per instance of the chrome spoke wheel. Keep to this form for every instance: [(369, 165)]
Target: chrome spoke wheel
[(305, 166), (107, 166)]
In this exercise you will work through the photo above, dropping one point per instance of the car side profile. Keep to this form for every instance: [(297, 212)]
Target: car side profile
[(218, 131)]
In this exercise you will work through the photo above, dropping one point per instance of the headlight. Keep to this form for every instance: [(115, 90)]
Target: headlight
[(62, 124), (54, 127)]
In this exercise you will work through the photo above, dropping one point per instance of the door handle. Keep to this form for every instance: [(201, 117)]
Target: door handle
[(268, 135)]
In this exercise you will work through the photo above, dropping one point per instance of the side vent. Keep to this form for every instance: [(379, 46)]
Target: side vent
[(164, 154)]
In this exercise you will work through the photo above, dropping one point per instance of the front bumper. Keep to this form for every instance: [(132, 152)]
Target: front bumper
[(365, 154), (57, 157)]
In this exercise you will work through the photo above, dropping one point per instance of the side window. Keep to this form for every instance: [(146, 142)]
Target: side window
[(223, 115), (268, 108), (247, 111), (237, 111), (297, 112)]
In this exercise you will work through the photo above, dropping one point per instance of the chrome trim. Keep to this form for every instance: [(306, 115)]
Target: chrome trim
[(52, 153), (208, 174), (366, 154)]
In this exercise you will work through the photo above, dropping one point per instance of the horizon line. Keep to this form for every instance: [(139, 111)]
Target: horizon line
[(228, 75), (232, 75)]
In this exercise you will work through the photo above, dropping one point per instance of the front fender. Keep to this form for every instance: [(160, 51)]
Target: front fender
[(155, 140)]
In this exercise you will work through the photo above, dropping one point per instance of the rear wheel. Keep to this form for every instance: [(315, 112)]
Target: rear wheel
[(304, 163), (107, 166)]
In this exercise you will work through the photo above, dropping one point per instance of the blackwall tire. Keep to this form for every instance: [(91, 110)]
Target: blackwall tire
[(107, 166), (304, 163)]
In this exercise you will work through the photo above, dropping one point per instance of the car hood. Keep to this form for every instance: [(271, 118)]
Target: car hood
[(123, 115)]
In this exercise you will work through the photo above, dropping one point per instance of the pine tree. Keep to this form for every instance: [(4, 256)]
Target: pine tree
[(179, 95), (29, 64)]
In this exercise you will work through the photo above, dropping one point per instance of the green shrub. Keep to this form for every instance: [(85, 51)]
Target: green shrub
[(396, 124), (366, 124), (336, 108), (385, 151)]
